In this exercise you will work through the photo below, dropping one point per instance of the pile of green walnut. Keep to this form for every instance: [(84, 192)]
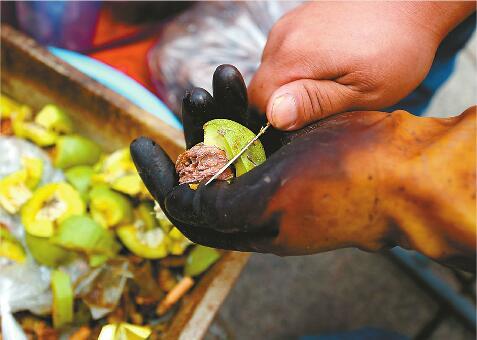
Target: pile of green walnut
[(97, 216)]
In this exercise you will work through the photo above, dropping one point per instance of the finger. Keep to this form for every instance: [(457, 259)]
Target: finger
[(230, 207), (230, 93), (198, 107), (301, 102), (156, 169), (240, 241)]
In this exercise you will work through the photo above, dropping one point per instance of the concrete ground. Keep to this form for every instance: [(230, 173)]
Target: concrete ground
[(284, 298)]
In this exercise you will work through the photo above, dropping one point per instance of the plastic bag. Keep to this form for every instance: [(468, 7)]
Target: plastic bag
[(12, 149), (25, 287), (207, 35), (102, 287)]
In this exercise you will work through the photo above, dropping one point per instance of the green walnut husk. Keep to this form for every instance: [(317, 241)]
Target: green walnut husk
[(14, 192), (49, 206), (118, 171), (232, 137), (52, 118), (144, 237), (200, 259), (178, 243), (16, 188), (10, 108), (34, 132), (82, 233), (75, 150), (146, 243), (108, 207), (47, 253), (63, 299), (10, 247), (96, 260), (124, 331), (34, 168), (80, 177)]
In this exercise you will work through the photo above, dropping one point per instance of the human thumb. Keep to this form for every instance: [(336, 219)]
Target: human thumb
[(304, 101)]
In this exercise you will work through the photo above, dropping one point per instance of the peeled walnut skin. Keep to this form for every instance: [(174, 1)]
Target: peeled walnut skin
[(200, 163)]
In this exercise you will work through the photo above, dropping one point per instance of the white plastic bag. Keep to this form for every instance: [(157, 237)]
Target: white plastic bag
[(208, 35)]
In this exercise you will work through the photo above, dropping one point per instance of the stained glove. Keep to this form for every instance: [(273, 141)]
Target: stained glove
[(360, 179)]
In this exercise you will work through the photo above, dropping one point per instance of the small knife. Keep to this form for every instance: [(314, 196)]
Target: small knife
[(229, 163)]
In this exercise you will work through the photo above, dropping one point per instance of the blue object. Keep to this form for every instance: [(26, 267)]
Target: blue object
[(442, 67), (120, 83), (66, 24)]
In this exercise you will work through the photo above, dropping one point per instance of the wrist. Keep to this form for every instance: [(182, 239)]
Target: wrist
[(429, 190), (439, 18)]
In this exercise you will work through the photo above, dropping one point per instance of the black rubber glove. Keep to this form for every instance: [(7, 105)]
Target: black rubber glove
[(158, 171), (353, 179)]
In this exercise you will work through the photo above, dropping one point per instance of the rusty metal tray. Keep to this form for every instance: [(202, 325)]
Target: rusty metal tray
[(32, 75)]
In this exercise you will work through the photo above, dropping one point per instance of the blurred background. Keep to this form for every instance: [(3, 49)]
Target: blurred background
[(151, 52)]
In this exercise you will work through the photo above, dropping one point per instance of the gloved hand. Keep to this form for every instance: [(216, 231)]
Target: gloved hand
[(362, 179)]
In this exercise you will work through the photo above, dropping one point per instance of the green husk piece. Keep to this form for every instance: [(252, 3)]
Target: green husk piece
[(83, 234), (108, 207), (200, 259), (232, 137), (52, 118), (16, 188), (95, 260), (119, 172), (34, 132), (14, 192), (146, 243), (50, 205), (145, 213), (80, 177), (8, 107), (63, 297), (10, 247), (178, 243), (34, 169), (124, 331), (47, 253), (74, 150)]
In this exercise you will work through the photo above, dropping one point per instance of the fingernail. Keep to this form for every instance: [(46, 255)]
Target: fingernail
[(284, 111)]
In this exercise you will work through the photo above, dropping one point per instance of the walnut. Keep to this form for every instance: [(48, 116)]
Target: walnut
[(200, 163)]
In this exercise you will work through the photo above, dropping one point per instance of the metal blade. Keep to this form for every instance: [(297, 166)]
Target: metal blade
[(229, 163)]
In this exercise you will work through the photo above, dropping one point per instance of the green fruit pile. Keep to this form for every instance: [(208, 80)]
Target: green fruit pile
[(100, 210)]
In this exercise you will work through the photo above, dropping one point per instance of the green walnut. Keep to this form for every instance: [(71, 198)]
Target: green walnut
[(46, 252), (72, 150), (81, 233)]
